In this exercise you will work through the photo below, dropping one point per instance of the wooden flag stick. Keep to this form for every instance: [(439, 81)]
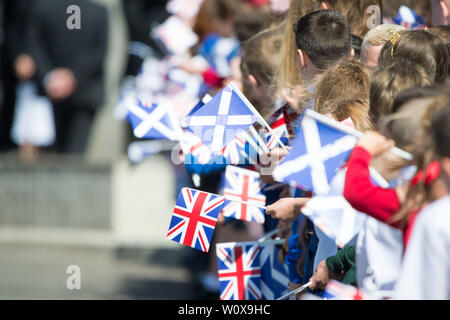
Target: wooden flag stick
[(296, 291), (256, 113)]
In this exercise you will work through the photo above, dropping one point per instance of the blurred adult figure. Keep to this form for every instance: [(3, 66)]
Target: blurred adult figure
[(16, 63), (141, 16), (70, 65)]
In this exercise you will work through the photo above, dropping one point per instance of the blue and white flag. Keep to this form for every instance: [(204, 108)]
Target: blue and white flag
[(320, 148), (152, 121), (274, 274), (206, 98), (222, 118), (407, 18)]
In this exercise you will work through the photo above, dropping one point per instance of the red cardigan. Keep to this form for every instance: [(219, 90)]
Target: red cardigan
[(379, 203)]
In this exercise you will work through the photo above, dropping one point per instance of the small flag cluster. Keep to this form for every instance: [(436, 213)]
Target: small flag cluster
[(223, 126)]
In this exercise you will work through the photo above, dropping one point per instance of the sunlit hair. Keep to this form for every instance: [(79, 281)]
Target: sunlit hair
[(288, 74), (411, 129), (378, 36), (261, 57), (389, 80), (422, 48), (346, 80)]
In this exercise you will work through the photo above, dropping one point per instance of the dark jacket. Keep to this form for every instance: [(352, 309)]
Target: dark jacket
[(53, 45)]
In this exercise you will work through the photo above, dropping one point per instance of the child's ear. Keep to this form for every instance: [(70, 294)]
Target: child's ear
[(352, 53), (301, 59), (324, 5), (252, 80)]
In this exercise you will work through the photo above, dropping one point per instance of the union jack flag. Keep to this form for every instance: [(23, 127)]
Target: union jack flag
[(243, 185), (191, 144), (239, 271), (280, 131), (274, 274), (338, 291), (194, 218), (234, 150)]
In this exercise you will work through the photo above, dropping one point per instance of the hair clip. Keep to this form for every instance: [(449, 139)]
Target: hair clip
[(393, 38)]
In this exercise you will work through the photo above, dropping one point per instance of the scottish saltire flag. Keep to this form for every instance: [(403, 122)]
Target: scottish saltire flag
[(332, 214), (274, 275), (239, 271), (194, 218), (320, 148), (191, 144), (243, 185), (280, 131), (152, 121), (206, 98), (221, 119)]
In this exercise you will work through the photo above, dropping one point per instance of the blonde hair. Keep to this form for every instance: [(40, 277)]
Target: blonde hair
[(378, 36), (261, 58), (356, 110), (346, 80), (288, 75)]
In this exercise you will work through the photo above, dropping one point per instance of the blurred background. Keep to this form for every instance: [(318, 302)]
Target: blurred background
[(68, 192)]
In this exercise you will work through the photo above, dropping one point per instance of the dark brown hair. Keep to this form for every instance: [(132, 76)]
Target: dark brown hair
[(441, 132), (325, 37), (355, 11)]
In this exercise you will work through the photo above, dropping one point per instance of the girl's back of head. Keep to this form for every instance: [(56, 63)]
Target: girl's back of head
[(411, 128), (389, 80), (287, 74), (346, 80), (420, 47), (260, 60)]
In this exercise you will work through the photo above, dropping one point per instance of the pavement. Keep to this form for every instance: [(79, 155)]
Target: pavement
[(29, 272)]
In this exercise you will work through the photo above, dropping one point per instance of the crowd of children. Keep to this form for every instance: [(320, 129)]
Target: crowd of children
[(387, 80)]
